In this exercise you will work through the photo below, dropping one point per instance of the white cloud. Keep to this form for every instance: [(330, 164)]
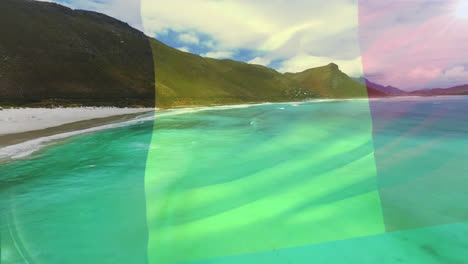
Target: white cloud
[(218, 54), (299, 63), (452, 76), (260, 60), (456, 73), (189, 38), (280, 29), (307, 33), (424, 73), (184, 49), (209, 44)]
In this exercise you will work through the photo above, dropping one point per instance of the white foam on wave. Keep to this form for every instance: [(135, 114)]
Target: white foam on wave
[(27, 148), (189, 110), (24, 149)]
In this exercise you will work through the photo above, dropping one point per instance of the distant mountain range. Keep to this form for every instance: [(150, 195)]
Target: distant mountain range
[(457, 90), (388, 90), (51, 54), (393, 91)]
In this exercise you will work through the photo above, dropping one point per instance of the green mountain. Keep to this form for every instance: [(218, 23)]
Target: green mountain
[(327, 81), (51, 54), (185, 79)]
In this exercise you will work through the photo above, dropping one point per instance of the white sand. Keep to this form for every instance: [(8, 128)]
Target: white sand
[(30, 119)]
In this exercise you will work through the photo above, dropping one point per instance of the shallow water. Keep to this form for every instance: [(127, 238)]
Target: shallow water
[(339, 181)]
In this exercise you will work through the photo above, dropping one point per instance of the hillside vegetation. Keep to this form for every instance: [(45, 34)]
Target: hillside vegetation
[(184, 79), (52, 54)]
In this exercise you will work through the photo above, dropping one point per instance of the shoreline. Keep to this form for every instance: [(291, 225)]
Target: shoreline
[(11, 139), (38, 137), (18, 120)]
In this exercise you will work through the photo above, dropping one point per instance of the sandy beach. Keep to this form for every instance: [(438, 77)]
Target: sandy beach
[(23, 124)]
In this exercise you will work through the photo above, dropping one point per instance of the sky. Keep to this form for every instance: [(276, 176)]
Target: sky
[(409, 44)]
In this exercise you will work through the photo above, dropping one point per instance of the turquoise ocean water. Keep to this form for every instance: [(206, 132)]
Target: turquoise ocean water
[(345, 181)]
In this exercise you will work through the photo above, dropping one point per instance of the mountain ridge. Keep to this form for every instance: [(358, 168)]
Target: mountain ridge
[(390, 90), (393, 91), (55, 55), (456, 90)]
